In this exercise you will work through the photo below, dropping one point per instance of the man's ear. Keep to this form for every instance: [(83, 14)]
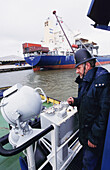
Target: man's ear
[(88, 66)]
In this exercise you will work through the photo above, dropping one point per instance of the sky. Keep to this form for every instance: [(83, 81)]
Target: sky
[(22, 21)]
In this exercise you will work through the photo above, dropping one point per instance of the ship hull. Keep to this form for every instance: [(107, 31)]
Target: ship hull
[(51, 62), (57, 61)]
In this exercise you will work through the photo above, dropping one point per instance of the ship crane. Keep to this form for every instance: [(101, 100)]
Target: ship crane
[(54, 12)]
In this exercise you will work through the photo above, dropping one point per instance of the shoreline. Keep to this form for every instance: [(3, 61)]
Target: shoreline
[(10, 68)]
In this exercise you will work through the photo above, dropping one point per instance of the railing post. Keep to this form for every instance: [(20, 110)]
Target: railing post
[(30, 158), (54, 147)]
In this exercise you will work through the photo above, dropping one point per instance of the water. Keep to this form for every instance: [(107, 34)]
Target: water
[(58, 84)]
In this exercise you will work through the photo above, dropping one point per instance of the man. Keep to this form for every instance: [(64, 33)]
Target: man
[(93, 103)]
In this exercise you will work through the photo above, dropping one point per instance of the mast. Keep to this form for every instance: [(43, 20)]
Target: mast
[(54, 12)]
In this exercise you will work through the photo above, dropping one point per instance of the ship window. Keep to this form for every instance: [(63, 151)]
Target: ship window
[(46, 23), (67, 53), (27, 55), (50, 53), (53, 52), (32, 54), (56, 52), (35, 53), (44, 54), (71, 53), (62, 52)]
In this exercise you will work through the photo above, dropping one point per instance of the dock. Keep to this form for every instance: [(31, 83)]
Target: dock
[(9, 68)]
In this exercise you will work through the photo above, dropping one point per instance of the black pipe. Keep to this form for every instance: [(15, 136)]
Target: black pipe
[(54, 12), (4, 139), (12, 152)]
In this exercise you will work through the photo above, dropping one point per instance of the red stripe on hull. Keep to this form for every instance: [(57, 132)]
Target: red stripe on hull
[(61, 66), (37, 68), (103, 62)]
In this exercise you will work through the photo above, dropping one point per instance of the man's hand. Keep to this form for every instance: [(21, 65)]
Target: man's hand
[(70, 100), (91, 145)]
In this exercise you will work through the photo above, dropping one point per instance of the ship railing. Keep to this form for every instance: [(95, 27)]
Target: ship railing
[(75, 146), (19, 149)]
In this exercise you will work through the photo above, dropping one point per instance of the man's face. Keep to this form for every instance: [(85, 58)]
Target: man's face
[(80, 70)]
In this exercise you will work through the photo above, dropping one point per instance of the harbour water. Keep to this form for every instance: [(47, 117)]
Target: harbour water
[(58, 84)]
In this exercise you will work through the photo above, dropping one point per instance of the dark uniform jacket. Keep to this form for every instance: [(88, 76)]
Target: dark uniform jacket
[(93, 104)]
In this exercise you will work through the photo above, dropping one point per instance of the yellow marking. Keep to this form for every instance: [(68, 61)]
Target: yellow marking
[(54, 101)]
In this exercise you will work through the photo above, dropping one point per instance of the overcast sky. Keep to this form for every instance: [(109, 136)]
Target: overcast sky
[(23, 21)]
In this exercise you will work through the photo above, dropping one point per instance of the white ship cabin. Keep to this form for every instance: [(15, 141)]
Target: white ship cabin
[(55, 39)]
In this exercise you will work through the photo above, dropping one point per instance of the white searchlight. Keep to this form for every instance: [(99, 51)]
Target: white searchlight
[(18, 106), (21, 103)]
